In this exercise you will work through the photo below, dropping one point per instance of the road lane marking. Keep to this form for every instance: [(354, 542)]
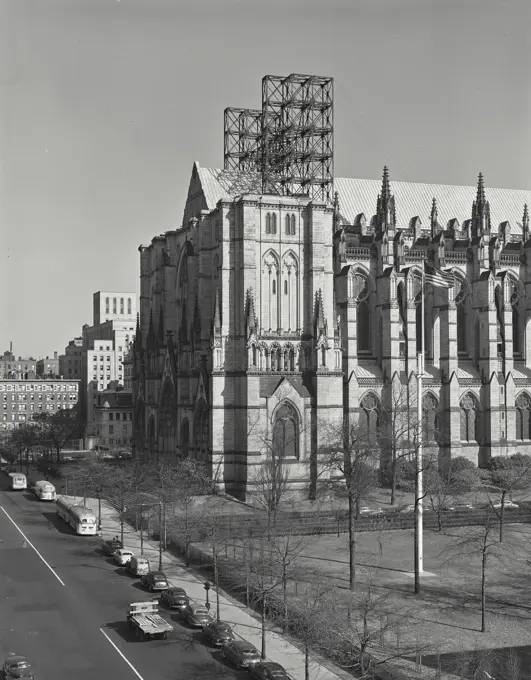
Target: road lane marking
[(122, 655), (31, 544)]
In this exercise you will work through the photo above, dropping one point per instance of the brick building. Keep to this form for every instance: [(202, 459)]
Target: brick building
[(22, 399), (113, 418)]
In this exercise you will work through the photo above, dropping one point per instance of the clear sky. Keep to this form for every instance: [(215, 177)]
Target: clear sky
[(105, 104)]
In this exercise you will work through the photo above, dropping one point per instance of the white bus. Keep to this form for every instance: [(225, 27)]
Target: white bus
[(80, 518), (44, 491), (18, 481)]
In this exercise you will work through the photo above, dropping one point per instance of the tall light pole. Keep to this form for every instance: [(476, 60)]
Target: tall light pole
[(160, 536), (419, 491)]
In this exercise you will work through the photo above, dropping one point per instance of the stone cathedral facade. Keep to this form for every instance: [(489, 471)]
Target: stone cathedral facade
[(264, 318)]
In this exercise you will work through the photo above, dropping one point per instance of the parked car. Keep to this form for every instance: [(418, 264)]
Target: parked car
[(458, 507), (507, 504), (122, 556), (196, 615), (364, 511), (110, 546), (240, 653), (175, 598), (218, 633), (155, 580), (17, 666), (267, 670), (137, 566), (407, 508)]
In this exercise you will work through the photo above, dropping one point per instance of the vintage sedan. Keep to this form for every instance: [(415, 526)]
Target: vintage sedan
[(267, 670), (175, 598), (155, 580), (122, 556), (196, 615), (240, 653), (218, 633), (111, 546), (17, 666)]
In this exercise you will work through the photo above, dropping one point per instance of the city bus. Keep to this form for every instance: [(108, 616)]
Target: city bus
[(18, 481), (44, 491), (79, 517)]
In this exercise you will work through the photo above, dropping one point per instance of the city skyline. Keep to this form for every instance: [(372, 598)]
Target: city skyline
[(106, 104)]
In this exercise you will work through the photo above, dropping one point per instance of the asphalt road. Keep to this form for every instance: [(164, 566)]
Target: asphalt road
[(78, 630)]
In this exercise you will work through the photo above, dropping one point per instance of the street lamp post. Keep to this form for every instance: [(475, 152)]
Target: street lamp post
[(206, 586), (99, 510), (160, 536), (142, 530)]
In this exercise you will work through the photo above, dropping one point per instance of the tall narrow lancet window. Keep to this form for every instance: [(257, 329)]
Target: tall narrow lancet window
[(358, 287), (430, 419), (273, 223), (469, 413), (523, 421), (122, 311), (287, 223), (418, 323), (114, 305), (500, 335), (369, 420), (129, 310), (515, 313), (286, 432), (268, 223), (462, 330), (107, 307), (292, 225)]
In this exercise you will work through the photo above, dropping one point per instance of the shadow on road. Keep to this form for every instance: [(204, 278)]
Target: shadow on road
[(62, 527), (123, 630)]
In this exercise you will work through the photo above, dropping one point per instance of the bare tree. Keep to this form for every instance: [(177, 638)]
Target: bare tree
[(191, 481), (397, 431), (483, 542), (286, 549), (507, 475), (58, 428), (444, 484), (371, 635), (351, 457), (309, 619)]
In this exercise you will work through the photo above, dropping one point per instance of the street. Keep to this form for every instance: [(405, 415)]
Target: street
[(79, 629)]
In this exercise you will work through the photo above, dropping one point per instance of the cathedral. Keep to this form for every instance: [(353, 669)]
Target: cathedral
[(265, 317)]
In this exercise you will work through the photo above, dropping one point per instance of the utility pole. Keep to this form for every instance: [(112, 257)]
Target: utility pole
[(160, 536)]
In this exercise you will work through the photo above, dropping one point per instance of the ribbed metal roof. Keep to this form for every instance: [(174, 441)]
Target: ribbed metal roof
[(413, 199), (358, 196)]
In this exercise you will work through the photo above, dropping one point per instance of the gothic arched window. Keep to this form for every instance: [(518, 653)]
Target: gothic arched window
[(292, 221), (469, 412), (122, 311), (129, 308), (515, 299), (268, 223), (286, 432), (114, 305), (462, 330), (363, 326), (273, 223), (369, 421), (523, 421), (107, 306), (500, 335), (430, 418), (287, 223), (201, 432)]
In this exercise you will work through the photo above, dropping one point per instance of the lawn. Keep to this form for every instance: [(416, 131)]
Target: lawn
[(445, 618)]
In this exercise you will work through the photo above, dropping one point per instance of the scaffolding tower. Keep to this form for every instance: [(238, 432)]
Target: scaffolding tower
[(290, 141)]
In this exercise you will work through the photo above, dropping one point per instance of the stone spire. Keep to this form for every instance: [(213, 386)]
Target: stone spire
[(216, 321), (336, 211), (137, 342), (525, 224), (385, 208), (480, 211), (320, 322), (435, 228), (252, 324)]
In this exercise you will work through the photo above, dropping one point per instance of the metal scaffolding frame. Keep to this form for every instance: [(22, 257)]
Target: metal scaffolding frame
[(290, 142), (242, 146)]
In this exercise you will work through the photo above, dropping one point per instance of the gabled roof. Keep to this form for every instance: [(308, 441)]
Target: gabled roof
[(356, 196)]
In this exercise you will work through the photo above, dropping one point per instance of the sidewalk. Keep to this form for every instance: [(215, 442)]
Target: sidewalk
[(243, 623)]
